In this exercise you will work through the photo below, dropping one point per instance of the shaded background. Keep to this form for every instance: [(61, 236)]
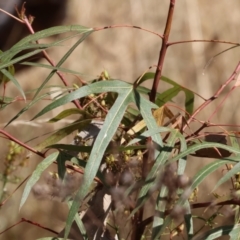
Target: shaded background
[(125, 53)]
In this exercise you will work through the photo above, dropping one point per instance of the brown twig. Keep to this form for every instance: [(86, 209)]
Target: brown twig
[(126, 26), (215, 96), (204, 41), (28, 221), (46, 56), (10, 137), (162, 51), (3, 202)]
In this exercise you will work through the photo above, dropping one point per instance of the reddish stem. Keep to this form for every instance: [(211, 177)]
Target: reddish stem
[(3, 202), (46, 56), (162, 51), (126, 26), (33, 223), (215, 96), (200, 40), (10, 137)]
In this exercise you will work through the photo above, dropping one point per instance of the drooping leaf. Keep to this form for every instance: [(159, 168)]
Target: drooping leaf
[(7, 57), (60, 134), (69, 112), (62, 60), (202, 174), (41, 65), (228, 175), (188, 219), (71, 147), (154, 172), (28, 106), (108, 130), (97, 87), (203, 145), (36, 175), (79, 223), (189, 95), (61, 159), (149, 133), (11, 78), (50, 32), (213, 152)]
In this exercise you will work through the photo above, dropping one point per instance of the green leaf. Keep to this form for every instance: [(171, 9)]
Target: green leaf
[(201, 175), (10, 77), (79, 223), (189, 95), (65, 70), (145, 107), (71, 147), (97, 87), (155, 171), (61, 159), (149, 133), (167, 96), (231, 230), (35, 48), (36, 175), (62, 60), (32, 103), (203, 145), (234, 141), (5, 101), (3, 65), (60, 134), (228, 175), (69, 112), (159, 221), (188, 219), (52, 31), (103, 139)]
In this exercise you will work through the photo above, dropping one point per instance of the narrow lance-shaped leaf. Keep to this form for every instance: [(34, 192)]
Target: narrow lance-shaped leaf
[(36, 175), (7, 57), (79, 223), (149, 133), (228, 175), (50, 32), (60, 134), (145, 107), (159, 221), (32, 48), (41, 65), (203, 145), (189, 95), (201, 175), (69, 112), (97, 87), (32, 103), (108, 130), (14, 81), (62, 60)]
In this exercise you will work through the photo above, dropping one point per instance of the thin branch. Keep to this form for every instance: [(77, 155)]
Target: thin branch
[(9, 196), (46, 56), (12, 16), (28, 221), (215, 96), (204, 41), (162, 51), (10, 137), (127, 26)]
